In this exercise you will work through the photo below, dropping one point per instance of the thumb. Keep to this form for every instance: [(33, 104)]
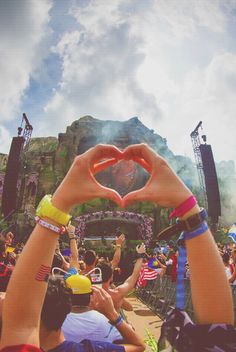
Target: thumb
[(135, 196), (108, 193)]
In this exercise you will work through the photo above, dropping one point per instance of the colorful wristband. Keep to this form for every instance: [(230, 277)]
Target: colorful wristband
[(117, 322), (184, 207), (47, 225), (182, 258)]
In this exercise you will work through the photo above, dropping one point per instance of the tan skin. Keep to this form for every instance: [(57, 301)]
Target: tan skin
[(21, 321), (118, 294), (209, 284)]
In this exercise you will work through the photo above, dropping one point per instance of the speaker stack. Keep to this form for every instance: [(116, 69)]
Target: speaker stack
[(9, 196), (211, 182)]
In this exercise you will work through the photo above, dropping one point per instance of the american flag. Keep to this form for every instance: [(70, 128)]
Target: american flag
[(145, 275), (43, 273)]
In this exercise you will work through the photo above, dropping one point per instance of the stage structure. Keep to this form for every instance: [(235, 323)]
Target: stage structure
[(11, 180), (41, 163), (210, 195)]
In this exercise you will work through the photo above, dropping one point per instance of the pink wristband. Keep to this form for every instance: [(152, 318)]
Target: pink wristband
[(184, 207)]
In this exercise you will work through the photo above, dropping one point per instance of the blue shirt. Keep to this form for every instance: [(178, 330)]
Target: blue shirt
[(87, 346)]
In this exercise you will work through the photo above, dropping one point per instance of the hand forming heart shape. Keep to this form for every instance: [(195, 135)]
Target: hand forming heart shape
[(164, 187)]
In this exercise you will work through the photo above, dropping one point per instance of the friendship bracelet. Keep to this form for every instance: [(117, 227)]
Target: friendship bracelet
[(49, 226), (184, 207), (117, 322), (182, 258)]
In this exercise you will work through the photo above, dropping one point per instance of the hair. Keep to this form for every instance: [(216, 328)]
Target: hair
[(81, 300), (81, 264), (57, 304), (57, 261), (90, 257), (106, 271)]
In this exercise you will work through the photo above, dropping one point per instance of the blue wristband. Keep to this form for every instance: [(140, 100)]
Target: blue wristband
[(117, 322), (182, 258)]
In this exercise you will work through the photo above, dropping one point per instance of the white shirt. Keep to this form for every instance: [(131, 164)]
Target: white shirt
[(89, 325)]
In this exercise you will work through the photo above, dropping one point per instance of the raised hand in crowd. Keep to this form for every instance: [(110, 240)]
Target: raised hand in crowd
[(103, 303), (117, 255)]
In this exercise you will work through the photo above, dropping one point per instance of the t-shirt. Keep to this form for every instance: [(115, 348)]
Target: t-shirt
[(87, 346), (21, 348), (87, 325), (180, 334)]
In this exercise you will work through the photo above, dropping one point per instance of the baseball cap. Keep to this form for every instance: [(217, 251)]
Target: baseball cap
[(79, 284)]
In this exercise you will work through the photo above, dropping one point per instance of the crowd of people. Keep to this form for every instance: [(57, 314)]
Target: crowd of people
[(51, 302)]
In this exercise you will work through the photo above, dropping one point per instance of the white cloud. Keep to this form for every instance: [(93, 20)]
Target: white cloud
[(23, 26), (168, 62), (5, 140), (99, 64)]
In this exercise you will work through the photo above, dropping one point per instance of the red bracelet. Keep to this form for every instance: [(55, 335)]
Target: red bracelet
[(184, 207)]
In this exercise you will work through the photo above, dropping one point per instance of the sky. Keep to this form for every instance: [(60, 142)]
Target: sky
[(172, 63)]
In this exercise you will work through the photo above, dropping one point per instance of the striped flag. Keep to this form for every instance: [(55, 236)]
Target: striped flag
[(145, 275), (232, 232), (43, 273)]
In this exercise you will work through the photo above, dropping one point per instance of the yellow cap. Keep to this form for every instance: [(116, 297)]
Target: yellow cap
[(79, 284)]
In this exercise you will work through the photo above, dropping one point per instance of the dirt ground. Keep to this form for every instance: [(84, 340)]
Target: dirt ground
[(143, 318)]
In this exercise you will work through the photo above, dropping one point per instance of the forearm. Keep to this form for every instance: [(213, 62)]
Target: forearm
[(116, 257), (134, 277), (26, 291), (74, 253), (209, 284), (129, 335)]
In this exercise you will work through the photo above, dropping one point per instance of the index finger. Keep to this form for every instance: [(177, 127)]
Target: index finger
[(104, 151), (140, 151)]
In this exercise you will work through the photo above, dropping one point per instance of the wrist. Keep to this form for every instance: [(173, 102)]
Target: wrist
[(112, 316), (194, 210), (117, 322), (60, 203), (141, 256)]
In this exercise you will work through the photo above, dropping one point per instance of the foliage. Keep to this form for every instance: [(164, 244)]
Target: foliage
[(3, 223), (151, 341), (221, 236)]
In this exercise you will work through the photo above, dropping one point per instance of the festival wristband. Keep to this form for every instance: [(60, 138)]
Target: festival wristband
[(182, 258), (47, 225), (117, 322), (184, 207)]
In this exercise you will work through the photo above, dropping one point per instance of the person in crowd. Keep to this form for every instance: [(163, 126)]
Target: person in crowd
[(233, 254), (209, 284), (83, 321), (119, 293), (74, 267), (155, 263), (91, 258), (6, 265), (228, 268), (56, 309)]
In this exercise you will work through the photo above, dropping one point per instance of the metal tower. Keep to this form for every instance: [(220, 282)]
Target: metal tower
[(198, 158)]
